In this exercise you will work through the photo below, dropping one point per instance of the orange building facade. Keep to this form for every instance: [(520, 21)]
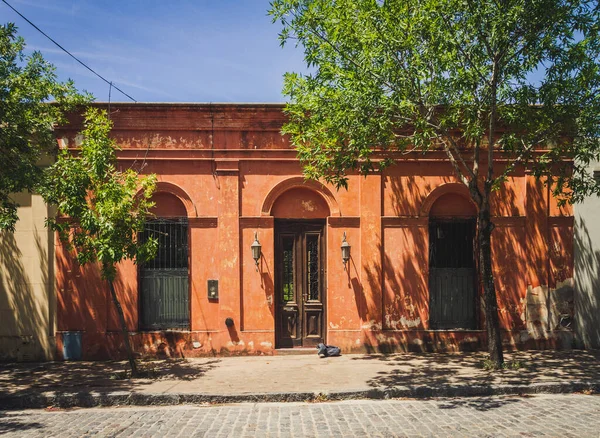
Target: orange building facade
[(229, 181)]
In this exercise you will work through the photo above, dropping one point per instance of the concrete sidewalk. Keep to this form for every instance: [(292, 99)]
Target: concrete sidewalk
[(294, 378)]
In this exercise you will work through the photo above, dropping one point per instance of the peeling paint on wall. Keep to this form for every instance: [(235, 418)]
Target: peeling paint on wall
[(562, 305), (382, 221), (381, 338), (410, 323), (536, 312), (371, 325), (548, 310), (402, 323), (308, 205)]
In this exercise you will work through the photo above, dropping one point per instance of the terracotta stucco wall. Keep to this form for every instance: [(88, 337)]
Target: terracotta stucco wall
[(234, 175)]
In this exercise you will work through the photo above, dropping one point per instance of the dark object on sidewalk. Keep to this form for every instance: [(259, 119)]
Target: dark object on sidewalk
[(328, 350)]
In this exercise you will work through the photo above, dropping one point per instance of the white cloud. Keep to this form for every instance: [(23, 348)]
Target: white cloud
[(97, 56)]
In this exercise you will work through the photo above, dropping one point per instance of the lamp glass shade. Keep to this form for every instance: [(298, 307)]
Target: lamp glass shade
[(345, 250), (256, 247)]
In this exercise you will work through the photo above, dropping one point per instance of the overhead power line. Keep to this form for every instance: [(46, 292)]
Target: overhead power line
[(69, 53)]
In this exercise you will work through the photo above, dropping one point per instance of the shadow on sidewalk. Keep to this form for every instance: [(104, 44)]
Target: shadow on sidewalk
[(16, 378), (14, 423), (413, 370), (480, 403)]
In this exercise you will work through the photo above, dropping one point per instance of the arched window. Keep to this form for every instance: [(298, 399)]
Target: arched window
[(452, 265), (164, 280)]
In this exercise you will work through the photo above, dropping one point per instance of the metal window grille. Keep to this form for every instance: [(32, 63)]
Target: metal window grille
[(451, 274), (164, 280)]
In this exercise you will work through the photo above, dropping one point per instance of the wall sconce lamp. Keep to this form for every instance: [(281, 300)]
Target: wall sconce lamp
[(345, 250), (256, 247)]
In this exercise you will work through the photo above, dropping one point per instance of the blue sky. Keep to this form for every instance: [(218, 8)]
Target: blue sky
[(161, 50)]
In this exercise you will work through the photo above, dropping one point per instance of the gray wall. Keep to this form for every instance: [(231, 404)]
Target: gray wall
[(587, 271)]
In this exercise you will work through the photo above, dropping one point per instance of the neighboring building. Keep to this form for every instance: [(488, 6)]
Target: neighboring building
[(587, 269), (27, 296), (226, 175)]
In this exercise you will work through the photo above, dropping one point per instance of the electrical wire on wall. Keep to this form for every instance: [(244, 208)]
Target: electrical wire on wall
[(109, 92), (67, 52), (143, 165), (110, 83)]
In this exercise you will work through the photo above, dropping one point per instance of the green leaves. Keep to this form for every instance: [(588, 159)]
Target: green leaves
[(104, 208), (401, 74), (27, 84)]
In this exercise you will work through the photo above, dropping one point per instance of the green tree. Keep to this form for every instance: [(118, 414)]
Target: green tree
[(104, 208), (27, 83), (481, 80)]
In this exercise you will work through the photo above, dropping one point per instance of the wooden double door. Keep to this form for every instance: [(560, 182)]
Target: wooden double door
[(299, 283)]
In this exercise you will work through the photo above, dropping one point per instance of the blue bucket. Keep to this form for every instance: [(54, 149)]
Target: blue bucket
[(72, 345)]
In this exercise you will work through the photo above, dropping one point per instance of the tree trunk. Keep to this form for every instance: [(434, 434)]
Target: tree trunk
[(132, 362), (485, 227)]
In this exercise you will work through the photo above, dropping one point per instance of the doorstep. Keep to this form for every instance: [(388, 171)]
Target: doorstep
[(295, 351)]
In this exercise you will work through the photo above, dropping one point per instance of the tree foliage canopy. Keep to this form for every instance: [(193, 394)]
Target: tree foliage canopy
[(505, 82), (27, 84), (105, 208), (450, 74)]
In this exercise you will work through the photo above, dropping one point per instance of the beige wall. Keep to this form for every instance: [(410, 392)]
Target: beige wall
[(27, 299), (587, 270)]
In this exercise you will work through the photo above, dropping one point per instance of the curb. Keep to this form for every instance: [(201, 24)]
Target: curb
[(89, 399)]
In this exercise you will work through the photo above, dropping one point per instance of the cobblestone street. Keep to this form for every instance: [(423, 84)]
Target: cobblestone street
[(543, 415)]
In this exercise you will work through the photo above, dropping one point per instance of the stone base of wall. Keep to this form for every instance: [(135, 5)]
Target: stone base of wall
[(182, 344), (25, 349), (172, 344)]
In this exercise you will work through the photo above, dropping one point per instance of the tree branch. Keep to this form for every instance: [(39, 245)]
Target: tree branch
[(324, 39), (455, 165)]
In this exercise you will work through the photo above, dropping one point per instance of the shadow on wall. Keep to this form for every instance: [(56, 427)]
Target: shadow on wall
[(408, 193), (267, 284), (27, 300), (405, 293), (80, 307), (532, 315), (587, 301)]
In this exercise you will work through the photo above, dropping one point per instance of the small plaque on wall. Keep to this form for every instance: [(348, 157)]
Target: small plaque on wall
[(213, 289)]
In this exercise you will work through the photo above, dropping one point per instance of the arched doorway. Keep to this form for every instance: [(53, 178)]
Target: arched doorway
[(300, 290), (452, 267), (164, 280)]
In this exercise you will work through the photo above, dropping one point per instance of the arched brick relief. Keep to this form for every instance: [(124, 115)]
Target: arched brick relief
[(300, 183), (167, 205), (451, 190), (170, 188), (300, 203)]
